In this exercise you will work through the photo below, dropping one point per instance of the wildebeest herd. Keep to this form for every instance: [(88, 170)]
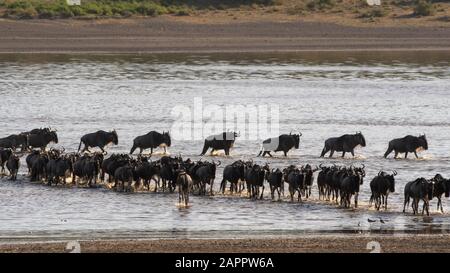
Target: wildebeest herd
[(125, 172)]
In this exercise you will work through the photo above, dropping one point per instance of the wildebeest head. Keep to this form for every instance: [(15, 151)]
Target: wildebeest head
[(360, 139), (115, 138), (423, 142), (53, 136), (391, 179), (166, 138)]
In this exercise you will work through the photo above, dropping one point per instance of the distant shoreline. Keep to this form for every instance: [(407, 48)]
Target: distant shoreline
[(167, 35)]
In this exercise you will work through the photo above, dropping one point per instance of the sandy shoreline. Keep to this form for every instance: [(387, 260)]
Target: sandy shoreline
[(166, 34), (326, 243)]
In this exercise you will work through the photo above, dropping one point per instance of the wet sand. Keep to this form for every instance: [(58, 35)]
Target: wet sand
[(326, 243), (166, 34)]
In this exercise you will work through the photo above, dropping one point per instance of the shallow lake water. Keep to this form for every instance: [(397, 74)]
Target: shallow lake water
[(383, 95)]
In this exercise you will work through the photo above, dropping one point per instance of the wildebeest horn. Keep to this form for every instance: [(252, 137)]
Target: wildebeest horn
[(394, 172), (379, 173), (300, 133)]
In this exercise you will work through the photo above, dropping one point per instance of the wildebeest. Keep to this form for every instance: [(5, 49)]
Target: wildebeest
[(13, 165), (5, 154), (59, 167), (87, 167), (233, 173), (125, 176), (275, 179), (309, 178), (381, 185), (40, 138), (146, 171), (407, 144), (419, 189), (184, 183), (14, 141), (282, 143), (441, 186), (98, 139), (295, 179), (350, 185), (223, 141), (254, 178), (110, 165), (322, 180), (37, 163), (203, 173), (344, 144), (151, 141)]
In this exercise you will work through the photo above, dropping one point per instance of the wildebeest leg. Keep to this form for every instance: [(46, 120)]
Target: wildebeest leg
[(262, 193), (151, 150), (356, 200), (165, 150), (406, 154), (405, 203), (331, 153), (396, 155), (388, 151), (227, 151), (415, 153), (353, 153), (269, 154), (343, 154), (324, 151), (285, 153)]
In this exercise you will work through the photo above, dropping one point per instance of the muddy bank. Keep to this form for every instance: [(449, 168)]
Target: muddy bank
[(166, 34), (347, 243)]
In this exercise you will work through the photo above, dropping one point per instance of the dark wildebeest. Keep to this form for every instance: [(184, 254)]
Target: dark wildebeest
[(322, 181), (110, 165), (344, 144), (223, 141), (254, 177), (13, 165), (295, 179), (5, 154), (233, 173), (381, 185), (309, 178), (87, 167), (125, 175), (146, 171), (151, 141), (98, 139), (40, 139), (441, 186), (184, 183), (275, 179), (37, 163), (14, 142), (59, 166), (408, 144), (419, 189), (205, 173), (282, 143), (350, 185)]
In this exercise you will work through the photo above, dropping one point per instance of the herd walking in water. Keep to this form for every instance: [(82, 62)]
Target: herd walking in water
[(125, 172)]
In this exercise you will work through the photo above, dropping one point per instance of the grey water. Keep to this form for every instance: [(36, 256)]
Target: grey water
[(383, 95)]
